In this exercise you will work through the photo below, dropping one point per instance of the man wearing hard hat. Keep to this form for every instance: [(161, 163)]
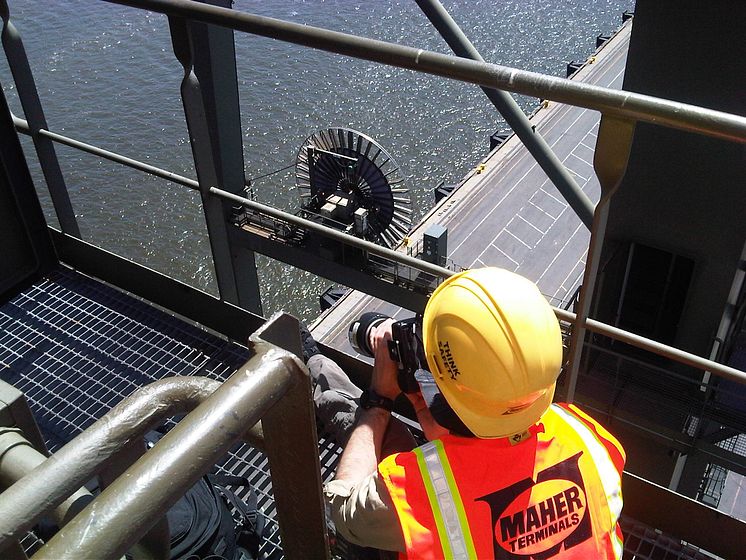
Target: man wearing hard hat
[(512, 475)]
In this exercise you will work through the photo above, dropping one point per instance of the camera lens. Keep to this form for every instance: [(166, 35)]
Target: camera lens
[(359, 331)]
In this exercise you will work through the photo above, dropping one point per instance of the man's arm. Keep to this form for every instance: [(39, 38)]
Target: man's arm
[(360, 505), (362, 453)]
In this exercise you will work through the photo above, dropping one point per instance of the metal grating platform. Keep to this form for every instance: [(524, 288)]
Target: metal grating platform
[(76, 347), (645, 543)]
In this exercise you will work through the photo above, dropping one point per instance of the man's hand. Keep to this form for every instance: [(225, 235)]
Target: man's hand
[(429, 426), (383, 380)]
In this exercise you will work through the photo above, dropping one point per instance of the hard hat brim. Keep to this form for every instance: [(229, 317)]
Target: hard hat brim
[(486, 427), (506, 425), (439, 408)]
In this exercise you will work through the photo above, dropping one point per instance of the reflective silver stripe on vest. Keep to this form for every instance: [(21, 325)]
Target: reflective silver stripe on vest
[(446, 507)]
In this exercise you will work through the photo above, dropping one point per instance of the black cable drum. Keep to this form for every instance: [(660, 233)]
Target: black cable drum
[(344, 162)]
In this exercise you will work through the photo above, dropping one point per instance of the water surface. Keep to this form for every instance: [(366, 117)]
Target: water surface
[(107, 75)]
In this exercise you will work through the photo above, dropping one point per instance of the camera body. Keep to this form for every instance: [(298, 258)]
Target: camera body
[(405, 346)]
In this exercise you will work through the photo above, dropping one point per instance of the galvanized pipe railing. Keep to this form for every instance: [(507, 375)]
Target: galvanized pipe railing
[(49, 484), (401, 258), (565, 315), (332, 233), (623, 104), (642, 107), (675, 354), (125, 510), (272, 386), (23, 126)]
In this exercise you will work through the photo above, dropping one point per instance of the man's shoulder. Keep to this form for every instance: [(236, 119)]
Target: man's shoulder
[(583, 423)]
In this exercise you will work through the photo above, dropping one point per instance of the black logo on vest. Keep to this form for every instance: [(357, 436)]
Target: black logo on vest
[(535, 520)]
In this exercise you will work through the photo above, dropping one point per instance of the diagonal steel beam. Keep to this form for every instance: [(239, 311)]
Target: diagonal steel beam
[(513, 115)]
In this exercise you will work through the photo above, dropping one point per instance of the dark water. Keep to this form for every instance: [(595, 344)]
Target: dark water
[(107, 76)]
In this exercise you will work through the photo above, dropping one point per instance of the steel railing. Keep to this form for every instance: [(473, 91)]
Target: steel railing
[(623, 104), (272, 387), (610, 102), (627, 104)]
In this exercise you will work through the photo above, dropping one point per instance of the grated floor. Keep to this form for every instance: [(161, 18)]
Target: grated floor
[(645, 543), (76, 347)]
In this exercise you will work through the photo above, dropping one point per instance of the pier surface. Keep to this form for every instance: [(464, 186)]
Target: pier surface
[(507, 213)]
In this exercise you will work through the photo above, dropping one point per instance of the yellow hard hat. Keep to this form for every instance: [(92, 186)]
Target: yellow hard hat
[(494, 347)]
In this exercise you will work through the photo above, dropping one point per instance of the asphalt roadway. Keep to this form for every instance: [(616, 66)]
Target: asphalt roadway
[(507, 213)]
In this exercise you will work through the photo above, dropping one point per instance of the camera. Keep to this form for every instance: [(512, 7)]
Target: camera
[(405, 346)]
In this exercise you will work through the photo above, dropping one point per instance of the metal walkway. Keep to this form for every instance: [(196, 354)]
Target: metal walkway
[(76, 347)]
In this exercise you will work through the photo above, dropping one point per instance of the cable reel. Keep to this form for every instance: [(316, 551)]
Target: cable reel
[(349, 181)]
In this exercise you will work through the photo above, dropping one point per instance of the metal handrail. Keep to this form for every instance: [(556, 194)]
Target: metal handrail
[(619, 103), (513, 114), (49, 484), (565, 315), (646, 108), (23, 126), (181, 457), (232, 406), (659, 348), (401, 258), (273, 386)]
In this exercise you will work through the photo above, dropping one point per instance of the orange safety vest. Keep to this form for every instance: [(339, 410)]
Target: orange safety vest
[(555, 494)]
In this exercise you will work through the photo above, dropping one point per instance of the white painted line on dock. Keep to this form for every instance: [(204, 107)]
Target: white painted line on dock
[(550, 195), (503, 253), (543, 233), (514, 236), (583, 160), (575, 281), (558, 253), (515, 185), (585, 179), (542, 210)]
